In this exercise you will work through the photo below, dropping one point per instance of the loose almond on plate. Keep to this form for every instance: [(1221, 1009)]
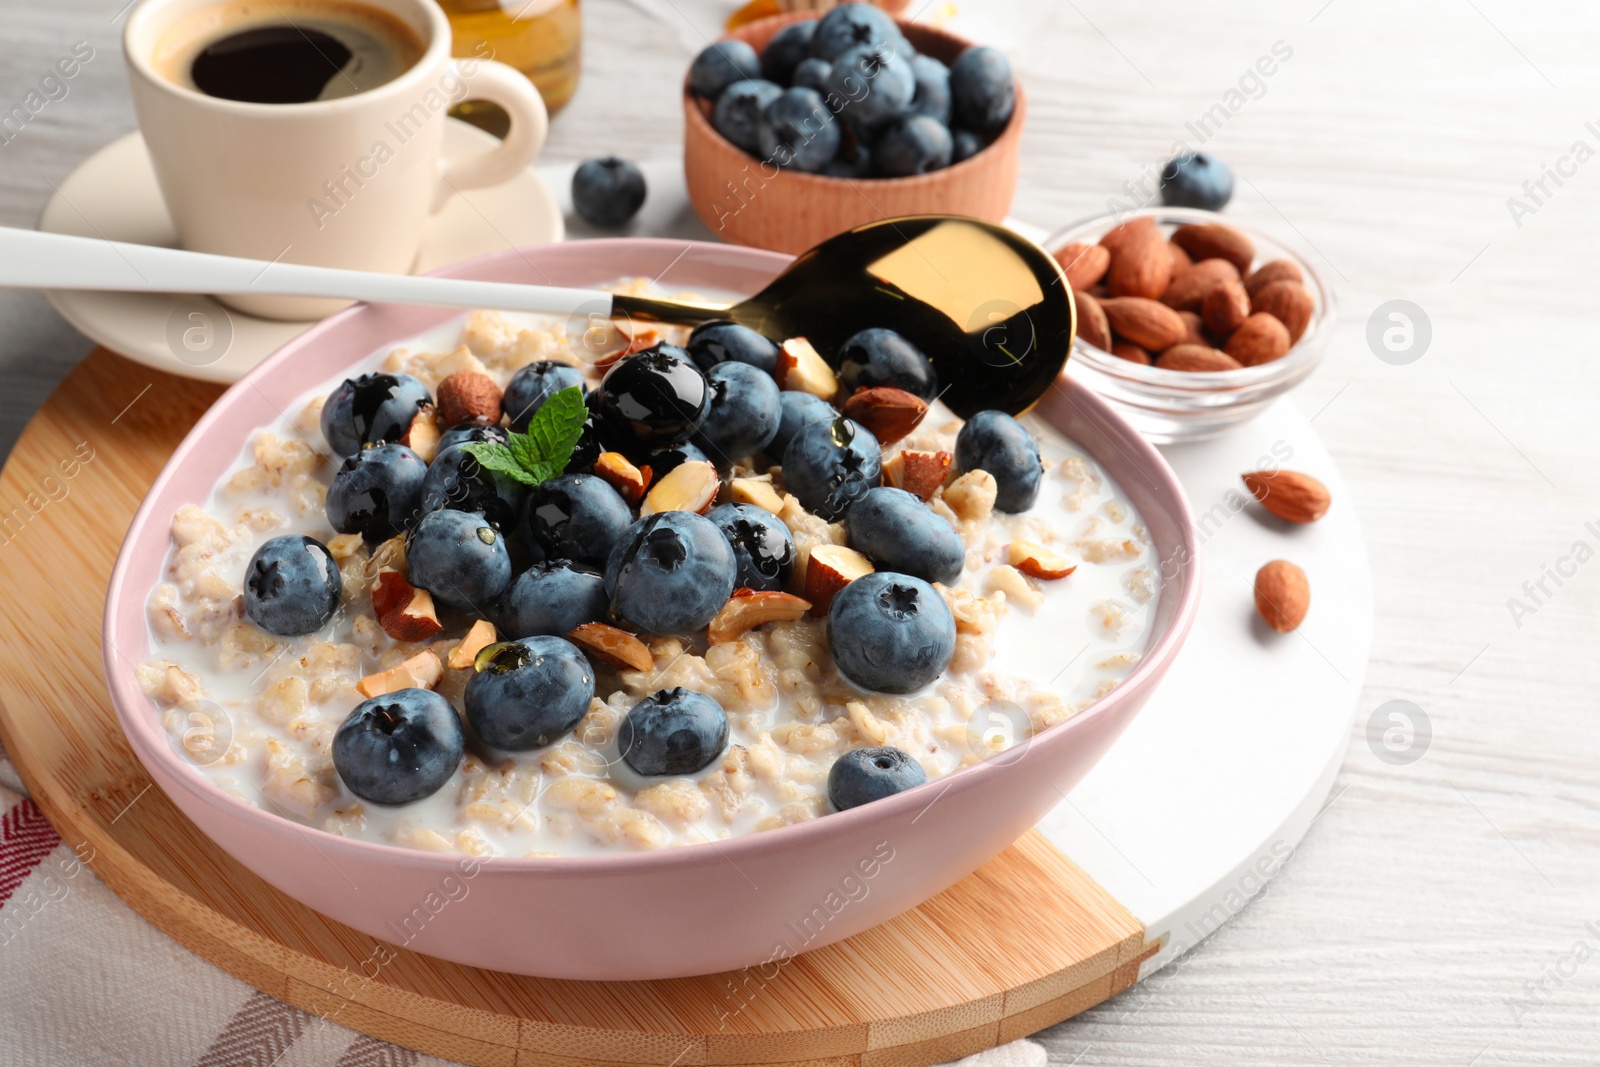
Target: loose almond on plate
[(478, 638), (611, 646), (467, 396), (749, 608), (422, 436), (802, 368), (405, 612), (629, 481), (690, 486), (757, 492), (888, 413), (1282, 595), (421, 671), (918, 473), (1037, 561), (1290, 495), (829, 568)]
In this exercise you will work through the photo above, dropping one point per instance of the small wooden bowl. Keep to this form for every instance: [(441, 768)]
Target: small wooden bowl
[(747, 201)]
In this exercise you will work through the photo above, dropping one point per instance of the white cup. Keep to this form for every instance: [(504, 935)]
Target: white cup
[(348, 182)]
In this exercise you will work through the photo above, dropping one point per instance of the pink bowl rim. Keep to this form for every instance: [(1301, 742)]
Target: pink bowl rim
[(142, 733)]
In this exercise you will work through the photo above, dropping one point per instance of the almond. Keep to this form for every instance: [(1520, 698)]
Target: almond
[(405, 612), (1180, 261), (1191, 321), (690, 486), (1141, 265), (421, 671), (1282, 595), (800, 367), (1225, 307), (629, 338), (1194, 358), (1083, 264), (1290, 495), (1288, 302), (918, 473), (1112, 239), (629, 481), (467, 396), (829, 568), (478, 638), (611, 646), (757, 492), (1093, 328), (1259, 339), (1213, 240), (1189, 289), (1147, 323), (1131, 352), (887, 412), (1037, 561), (749, 608), (422, 436), (1279, 270)]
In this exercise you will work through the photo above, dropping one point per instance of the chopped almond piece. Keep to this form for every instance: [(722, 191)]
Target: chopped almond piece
[(801, 368), (421, 671), (1037, 561), (629, 481), (829, 568), (757, 492), (405, 612), (478, 638), (422, 436), (918, 473), (748, 609), (690, 486), (609, 645)]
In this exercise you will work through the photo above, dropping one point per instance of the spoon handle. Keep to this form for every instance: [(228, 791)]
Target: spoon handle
[(33, 260)]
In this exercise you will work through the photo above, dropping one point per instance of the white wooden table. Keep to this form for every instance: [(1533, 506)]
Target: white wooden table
[(1431, 915)]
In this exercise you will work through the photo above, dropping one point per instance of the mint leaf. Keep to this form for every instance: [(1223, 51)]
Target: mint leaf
[(499, 459), (545, 450)]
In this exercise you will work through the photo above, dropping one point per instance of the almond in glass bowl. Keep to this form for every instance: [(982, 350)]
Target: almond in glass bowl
[(1193, 323)]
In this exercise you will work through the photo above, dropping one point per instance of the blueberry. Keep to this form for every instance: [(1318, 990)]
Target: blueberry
[(398, 747), (675, 731), (376, 492), (720, 341), (607, 192), (863, 775), (849, 26), (551, 598), (890, 632), (982, 91), (657, 396), (599, 435), (460, 559), (812, 74), (965, 145), (787, 49), (743, 416), (933, 89), (463, 433), (799, 410), (456, 480), (797, 130), (531, 386), (874, 83), (913, 144), (995, 442), (898, 532), (829, 464), (665, 460), (723, 64), (1196, 179), (737, 115), (761, 545), (876, 356), (577, 517), (670, 573), (853, 161), (291, 585), (370, 410), (528, 692)]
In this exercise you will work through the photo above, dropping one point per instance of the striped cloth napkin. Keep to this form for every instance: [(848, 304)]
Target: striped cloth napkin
[(85, 980)]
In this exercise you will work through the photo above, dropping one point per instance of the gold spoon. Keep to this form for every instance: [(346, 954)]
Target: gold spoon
[(992, 310)]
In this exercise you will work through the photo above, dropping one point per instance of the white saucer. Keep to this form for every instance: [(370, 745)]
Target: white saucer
[(114, 195)]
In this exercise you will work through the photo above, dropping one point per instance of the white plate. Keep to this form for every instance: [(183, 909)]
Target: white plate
[(114, 195)]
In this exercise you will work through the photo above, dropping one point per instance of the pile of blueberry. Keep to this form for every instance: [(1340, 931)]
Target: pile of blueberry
[(848, 96), (540, 561)]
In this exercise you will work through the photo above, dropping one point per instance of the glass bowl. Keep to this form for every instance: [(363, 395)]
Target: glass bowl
[(1170, 406)]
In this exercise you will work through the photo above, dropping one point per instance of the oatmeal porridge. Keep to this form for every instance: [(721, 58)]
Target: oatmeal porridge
[(379, 624)]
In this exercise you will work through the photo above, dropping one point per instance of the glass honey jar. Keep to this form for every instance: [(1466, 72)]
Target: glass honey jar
[(541, 38)]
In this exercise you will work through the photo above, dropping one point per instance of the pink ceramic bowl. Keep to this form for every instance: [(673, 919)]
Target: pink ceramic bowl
[(692, 910)]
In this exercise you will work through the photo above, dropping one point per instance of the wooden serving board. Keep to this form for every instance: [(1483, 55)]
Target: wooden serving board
[(1025, 941)]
